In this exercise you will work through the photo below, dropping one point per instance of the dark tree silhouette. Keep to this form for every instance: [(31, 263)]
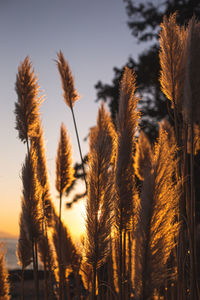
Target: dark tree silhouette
[(144, 19)]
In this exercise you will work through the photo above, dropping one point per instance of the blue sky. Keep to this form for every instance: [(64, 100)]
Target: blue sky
[(94, 38)]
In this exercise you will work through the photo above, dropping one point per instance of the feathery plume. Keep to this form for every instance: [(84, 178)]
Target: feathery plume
[(64, 169), (100, 196), (191, 107), (27, 105), (172, 60), (24, 251), (24, 246), (127, 122), (143, 155), (157, 227), (42, 175), (64, 178), (166, 126), (31, 208), (125, 188), (31, 194), (70, 94), (4, 284)]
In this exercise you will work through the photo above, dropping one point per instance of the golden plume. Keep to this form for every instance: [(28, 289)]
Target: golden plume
[(24, 246), (27, 105), (157, 226), (42, 174), (172, 59), (166, 126), (143, 155), (64, 178), (64, 169), (70, 94), (4, 283), (100, 192), (127, 122), (31, 195), (125, 188)]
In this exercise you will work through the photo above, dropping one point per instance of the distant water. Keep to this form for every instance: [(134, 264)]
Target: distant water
[(10, 247)]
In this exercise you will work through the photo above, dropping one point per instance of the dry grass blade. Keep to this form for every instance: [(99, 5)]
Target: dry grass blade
[(27, 106), (70, 94), (4, 284)]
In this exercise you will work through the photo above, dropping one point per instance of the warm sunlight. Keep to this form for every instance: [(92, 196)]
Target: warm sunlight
[(101, 203)]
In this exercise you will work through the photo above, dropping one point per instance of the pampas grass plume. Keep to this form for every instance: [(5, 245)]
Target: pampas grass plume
[(42, 174), (27, 106), (172, 59), (143, 155), (127, 122), (64, 169), (31, 207), (24, 246), (70, 94), (157, 226)]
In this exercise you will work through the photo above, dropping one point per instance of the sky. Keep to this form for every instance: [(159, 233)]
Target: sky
[(94, 37)]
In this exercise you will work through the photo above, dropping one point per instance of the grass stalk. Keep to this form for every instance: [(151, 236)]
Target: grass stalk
[(79, 146), (59, 251), (22, 285), (194, 283), (35, 270)]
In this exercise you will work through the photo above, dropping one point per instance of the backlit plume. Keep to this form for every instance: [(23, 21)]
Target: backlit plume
[(70, 93), (157, 225), (143, 155), (64, 169), (27, 106), (172, 59)]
